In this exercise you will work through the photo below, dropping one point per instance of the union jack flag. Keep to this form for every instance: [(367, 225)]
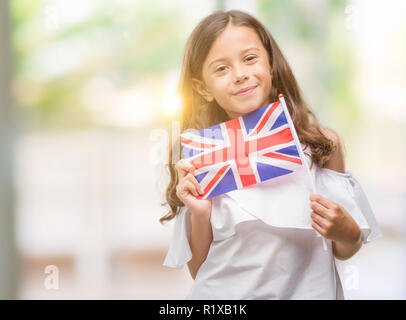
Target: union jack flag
[(244, 151)]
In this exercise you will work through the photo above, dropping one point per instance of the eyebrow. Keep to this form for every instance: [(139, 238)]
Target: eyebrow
[(242, 52)]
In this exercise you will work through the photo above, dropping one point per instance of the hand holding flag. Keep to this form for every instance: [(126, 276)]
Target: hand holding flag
[(188, 189)]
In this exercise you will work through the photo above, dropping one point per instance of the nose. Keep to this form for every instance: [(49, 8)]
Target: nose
[(239, 75)]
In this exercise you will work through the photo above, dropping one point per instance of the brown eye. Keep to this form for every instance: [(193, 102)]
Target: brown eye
[(219, 69), (250, 58)]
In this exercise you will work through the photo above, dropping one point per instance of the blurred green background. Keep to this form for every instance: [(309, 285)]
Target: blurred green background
[(90, 95)]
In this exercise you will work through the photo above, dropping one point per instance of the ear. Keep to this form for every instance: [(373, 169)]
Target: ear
[(200, 87)]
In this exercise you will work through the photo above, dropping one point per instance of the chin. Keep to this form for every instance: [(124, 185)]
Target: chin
[(251, 108), (238, 113), (244, 109)]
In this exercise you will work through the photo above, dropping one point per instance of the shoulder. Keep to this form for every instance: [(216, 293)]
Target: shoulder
[(336, 161)]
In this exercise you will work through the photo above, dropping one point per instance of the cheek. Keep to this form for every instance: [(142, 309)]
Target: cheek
[(266, 78), (263, 72), (219, 87)]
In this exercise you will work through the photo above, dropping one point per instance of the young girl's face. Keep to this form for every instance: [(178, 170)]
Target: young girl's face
[(236, 72)]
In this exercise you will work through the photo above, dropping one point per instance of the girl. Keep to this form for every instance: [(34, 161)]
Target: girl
[(239, 245)]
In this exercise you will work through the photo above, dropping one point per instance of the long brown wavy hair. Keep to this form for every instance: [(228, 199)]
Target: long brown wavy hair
[(197, 113)]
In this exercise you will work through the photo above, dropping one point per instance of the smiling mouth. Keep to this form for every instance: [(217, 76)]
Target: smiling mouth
[(246, 92)]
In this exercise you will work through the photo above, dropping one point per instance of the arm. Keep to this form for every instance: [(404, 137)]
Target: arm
[(201, 235), (200, 239), (339, 225), (336, 162), (345, 250)]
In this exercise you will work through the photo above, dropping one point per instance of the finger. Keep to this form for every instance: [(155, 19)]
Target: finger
[(318, 208), (183, 167), (192, 179), (183, 188), (318, 228), (321, 221), (190, 187), (322, 200)]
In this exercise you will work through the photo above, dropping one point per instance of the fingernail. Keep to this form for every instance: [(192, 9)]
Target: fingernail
[(201, 191)]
